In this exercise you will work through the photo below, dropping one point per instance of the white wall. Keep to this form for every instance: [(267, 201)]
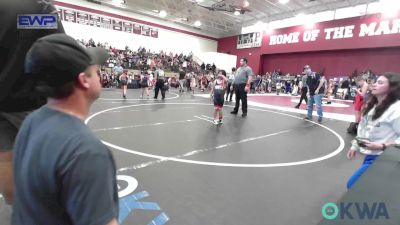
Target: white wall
[(221, 60), (85, 3), (167, 40)]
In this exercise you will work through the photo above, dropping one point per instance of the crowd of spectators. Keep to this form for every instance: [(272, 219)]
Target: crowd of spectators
[(144, 59), (342, 87), (147, 61)]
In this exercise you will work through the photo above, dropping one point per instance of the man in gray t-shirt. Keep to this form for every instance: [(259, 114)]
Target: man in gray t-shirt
[(242, 86)]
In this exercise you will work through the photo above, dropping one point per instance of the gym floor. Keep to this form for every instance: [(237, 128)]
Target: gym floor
[(176, 167)]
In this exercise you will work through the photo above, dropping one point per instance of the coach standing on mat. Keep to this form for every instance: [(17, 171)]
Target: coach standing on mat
[(63, 174), (241, 86), (316, 90), (17, 98)]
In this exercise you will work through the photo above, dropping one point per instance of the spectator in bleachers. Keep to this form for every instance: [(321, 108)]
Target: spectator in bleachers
[(213, 68), (203, 67)]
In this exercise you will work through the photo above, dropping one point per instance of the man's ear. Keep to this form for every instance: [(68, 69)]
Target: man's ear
[(83, 81)]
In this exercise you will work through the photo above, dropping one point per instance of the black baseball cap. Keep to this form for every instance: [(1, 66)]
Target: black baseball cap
[(58, 59)]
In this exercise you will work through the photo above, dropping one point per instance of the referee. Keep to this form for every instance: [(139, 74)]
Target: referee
[(304, 90), (241, 85)]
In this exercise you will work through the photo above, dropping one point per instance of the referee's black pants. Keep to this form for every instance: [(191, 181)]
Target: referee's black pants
[(303, 96), (159, 86), (241, 95)]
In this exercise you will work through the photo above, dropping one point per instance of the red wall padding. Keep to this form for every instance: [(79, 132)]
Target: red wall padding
[(336, 63)]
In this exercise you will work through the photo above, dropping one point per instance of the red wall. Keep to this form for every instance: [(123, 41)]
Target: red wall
[(335, 63), (356, 42), (340, 56)]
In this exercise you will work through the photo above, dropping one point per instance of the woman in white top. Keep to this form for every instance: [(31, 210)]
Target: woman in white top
[(380, 125)]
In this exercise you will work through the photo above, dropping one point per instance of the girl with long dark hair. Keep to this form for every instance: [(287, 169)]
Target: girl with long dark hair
[(380, 124)]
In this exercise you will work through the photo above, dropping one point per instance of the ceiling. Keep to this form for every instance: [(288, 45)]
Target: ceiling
[(220, 24)]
